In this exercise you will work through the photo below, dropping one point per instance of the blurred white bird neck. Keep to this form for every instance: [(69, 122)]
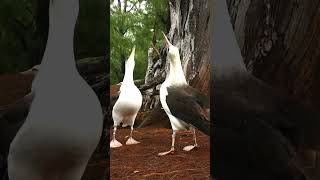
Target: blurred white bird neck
[(59, 53), (128, 75)]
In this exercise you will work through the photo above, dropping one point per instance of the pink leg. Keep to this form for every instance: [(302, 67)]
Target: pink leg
[(171, 151), (190, 147), (114, 143), (131, 141)]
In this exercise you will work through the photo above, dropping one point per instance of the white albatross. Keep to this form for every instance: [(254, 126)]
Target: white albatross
[(64, 124), (184, 105), (128, 104)]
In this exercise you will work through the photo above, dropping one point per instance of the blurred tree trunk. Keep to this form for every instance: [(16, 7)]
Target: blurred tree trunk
[(189, 32), (280, 44)]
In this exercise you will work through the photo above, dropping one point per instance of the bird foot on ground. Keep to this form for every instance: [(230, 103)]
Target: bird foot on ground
[(131, 141), (189, 148), (114, 144), (165, 153)]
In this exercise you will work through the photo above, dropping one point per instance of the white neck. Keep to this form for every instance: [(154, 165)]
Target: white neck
[(227, 58), (128, 76), (176, 74), (59, 53)]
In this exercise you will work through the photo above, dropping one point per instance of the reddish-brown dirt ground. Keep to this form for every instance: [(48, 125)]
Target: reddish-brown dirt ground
[(114, 89), (135, 161), (14, 87), (141, 161), (96, 168)]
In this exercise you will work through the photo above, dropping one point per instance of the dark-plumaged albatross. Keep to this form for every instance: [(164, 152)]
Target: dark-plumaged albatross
[(128, 104), (258, 131), (184, 105), (64, 124)]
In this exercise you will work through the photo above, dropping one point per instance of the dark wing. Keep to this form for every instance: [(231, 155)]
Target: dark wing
[(250, 99), (266, 125), (299, 124), (189, 105), (200, 98), (256, 151)]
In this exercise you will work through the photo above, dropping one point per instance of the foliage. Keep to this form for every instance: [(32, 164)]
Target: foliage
[(91, 30), (24, 26), (17, 28), (133, 22)]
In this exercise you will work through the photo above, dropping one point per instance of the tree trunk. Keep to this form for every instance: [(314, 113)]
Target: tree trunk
[(189, 32), (280, 43)]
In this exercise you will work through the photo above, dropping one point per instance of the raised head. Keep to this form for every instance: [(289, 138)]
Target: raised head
[(173, 51)]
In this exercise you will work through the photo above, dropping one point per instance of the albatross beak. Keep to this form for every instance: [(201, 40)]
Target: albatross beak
[(167, 42), (132, 53)]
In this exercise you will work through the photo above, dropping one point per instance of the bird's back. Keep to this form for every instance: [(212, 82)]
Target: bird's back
[(272, 125)]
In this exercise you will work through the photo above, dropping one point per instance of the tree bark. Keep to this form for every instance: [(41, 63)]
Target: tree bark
[(280, 43), (189, 32)]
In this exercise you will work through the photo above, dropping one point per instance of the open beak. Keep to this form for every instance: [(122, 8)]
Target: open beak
[(167, 42)]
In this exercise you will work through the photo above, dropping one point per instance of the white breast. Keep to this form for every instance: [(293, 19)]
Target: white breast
[(176, 124), (64, 122), (127, 105)]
